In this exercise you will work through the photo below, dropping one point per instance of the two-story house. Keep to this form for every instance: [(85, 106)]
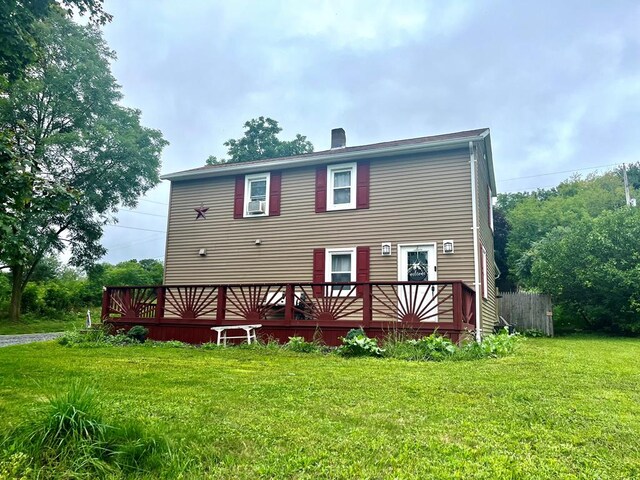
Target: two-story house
[(390, 235)]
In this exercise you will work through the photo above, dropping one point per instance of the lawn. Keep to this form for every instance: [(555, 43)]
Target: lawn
[(41, 324), (561, 408)]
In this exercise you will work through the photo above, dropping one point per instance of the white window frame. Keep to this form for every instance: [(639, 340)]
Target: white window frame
[(485, 275), (329, 252), (331, 169), (247, 193)]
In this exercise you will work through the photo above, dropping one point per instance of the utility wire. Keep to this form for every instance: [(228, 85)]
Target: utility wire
[(153, 201), (135, 228), (555, 173), (143, 213)]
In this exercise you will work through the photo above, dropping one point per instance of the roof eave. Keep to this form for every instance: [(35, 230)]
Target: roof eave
[(330, 157)]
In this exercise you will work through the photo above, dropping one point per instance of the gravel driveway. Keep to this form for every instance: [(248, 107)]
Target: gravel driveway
[(7, 340)]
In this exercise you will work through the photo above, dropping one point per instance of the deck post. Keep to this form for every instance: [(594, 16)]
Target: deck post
[(160, 302), (222, 303), (457, 305), (367, 299), (289, 300), (106, 300)]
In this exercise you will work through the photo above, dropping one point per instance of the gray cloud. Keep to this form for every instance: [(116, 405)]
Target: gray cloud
[(557, 82)]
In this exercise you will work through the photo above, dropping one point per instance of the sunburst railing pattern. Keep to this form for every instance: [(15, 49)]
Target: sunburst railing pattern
[(336, 302), (253, 303), (411, 303), (191, 301), (440, 303), (133, 302)]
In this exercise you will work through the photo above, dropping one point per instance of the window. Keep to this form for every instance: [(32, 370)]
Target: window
[(256, 195), (340, 267), (341, 182)]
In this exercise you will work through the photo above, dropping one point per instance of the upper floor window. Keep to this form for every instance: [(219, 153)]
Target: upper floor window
[(341, 182), (256, 194)]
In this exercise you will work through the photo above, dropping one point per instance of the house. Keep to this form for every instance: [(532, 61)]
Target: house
[(389, 235)]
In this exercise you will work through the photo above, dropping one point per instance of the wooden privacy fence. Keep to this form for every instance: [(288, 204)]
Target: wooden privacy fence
[(527, 311)]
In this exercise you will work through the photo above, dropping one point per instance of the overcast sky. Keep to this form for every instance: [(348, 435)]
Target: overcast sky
[(558, 82)]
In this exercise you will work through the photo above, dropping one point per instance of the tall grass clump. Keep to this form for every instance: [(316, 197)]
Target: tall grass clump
[(68, 438)]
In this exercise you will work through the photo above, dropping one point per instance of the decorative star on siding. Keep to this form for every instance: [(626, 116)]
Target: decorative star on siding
[(201, 210)]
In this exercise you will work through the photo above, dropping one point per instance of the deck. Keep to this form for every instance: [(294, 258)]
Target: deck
[(187, 312)]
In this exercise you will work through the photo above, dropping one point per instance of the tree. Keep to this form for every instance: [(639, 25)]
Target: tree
[(18, 45), (260, 141), (593, 269), (77, 153), (531, 217)]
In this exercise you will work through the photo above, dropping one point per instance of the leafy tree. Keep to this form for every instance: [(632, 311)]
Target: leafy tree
[(78, 154), (593, 268), (260, 141), (533, 216), (18, 42)]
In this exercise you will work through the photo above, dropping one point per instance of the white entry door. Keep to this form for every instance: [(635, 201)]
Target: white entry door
[(417, 263)]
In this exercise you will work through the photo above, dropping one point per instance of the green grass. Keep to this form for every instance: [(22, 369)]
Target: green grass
[(40, 324), (561, 408)]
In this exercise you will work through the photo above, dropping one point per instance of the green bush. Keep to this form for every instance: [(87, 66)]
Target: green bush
[(68, 438), (497, 345), (299, 344), (357, 344), (138, 333)]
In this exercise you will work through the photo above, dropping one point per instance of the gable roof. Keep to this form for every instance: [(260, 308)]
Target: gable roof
[(410, 145)]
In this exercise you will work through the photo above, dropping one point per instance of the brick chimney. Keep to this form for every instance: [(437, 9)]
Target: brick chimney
[(338, 138)]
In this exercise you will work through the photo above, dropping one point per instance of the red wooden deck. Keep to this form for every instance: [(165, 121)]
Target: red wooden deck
[(187, 312)]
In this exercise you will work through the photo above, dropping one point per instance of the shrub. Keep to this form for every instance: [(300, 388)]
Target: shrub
[(533, 333), (138, 333), (431, 347), (69, 438), (357, 344), (497, 345), (299, 344)]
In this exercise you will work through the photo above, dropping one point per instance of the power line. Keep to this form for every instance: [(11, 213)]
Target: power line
[(121, 245), (153, 201), (136, 228), (143, 213), (555, 173)]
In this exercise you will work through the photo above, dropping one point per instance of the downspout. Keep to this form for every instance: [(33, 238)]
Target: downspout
[(476, 246)]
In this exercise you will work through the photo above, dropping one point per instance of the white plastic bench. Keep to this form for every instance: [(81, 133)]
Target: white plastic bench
[(250, 332)]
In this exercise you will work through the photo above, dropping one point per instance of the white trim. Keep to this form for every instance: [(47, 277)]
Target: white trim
[(329, 156), (247, 194), (490, 208), (474, 231), (328, 252), (485, 274), (331, 169), (434, 267)]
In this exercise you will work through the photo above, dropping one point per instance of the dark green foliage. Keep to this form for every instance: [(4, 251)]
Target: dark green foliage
[(592, 269), (138, 333), (298, 344), (260, 141), (69, 437), (497, 345), (357, 344)]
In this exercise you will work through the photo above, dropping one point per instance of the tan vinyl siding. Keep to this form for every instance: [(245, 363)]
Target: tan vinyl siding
[(412, 199), (489, 307)]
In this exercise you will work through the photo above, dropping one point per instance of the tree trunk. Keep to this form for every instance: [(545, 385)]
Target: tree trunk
[(16, 293)]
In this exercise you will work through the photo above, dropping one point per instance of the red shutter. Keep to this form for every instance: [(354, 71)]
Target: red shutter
[(318, 270), (363, 256), (274, 194), (238, 199), (362, 188), (321, 189)]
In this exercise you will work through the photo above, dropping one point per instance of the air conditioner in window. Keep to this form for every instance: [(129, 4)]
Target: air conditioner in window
[(256, 206)]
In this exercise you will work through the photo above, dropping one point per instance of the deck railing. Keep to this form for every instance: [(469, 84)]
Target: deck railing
[(443, 304)]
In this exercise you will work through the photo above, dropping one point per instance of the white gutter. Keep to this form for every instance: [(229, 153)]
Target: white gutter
[(330, 156), (476, 263)]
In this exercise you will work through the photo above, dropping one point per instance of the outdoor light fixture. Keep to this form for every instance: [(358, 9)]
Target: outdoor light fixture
[(386, 249), (202, 252), (258, 241), (447, 246)]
